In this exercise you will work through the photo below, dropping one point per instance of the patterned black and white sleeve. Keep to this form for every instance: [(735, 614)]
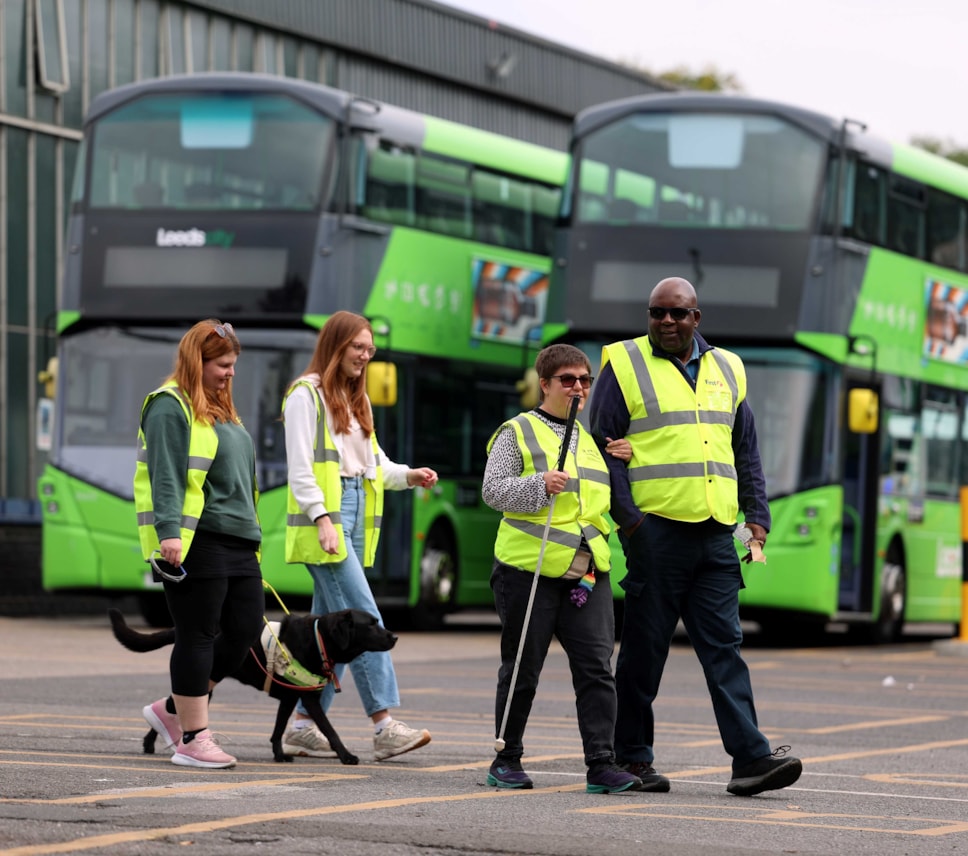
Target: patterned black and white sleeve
[(504, 488)]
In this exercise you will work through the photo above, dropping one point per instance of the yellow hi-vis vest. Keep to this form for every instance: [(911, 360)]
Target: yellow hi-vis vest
[(682, 463), (202, 446), (578, 510), (302, 535)]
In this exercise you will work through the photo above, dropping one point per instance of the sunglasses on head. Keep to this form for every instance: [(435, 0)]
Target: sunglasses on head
[(569, 380), (223, 330), (678, 313)]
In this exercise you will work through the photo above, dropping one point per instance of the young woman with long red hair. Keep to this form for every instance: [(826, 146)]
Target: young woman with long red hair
[(195, 494), (337, 475)]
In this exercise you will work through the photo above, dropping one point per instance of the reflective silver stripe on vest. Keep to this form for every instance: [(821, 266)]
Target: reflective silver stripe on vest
[(538, 454), (556, 536), (200, 464), (654, 419), (681, 471), (727, 371), (594, 476), (146, 518), (322, 455), (303, 520), (189, 523), (142, 455)]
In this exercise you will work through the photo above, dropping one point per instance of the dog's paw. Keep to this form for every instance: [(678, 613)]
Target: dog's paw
[(281, 758), (350, 759)]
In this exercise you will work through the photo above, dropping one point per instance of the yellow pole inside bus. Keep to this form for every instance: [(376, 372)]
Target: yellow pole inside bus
[(963, 627)]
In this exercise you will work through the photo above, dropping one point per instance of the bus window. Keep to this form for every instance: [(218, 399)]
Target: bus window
[(172, 151), (545, 202), (389, 195), (766, 174), (502, 213), (443, 196), (905, 217), (946, 230), (866, 219), (939, 425)]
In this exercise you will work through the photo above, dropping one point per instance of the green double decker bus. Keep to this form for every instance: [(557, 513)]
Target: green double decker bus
[(270, 203), (836, 264)]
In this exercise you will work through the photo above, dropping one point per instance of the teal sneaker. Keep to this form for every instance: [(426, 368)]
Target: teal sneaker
[(508, 774), (610, 779)]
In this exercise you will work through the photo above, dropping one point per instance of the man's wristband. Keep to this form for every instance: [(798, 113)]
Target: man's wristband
[(321, 516)]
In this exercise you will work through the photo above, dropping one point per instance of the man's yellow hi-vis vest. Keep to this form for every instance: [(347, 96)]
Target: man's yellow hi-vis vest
[(682, 463), (302, 535), (578, 510), (202, 446)]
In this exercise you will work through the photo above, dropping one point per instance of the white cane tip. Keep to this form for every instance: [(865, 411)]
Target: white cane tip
[(499, 745)]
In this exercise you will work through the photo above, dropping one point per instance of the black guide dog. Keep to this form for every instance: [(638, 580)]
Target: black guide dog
[(343, 636)]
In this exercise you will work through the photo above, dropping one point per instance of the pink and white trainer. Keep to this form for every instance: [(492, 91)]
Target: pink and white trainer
[(165, 723), (203, 751)]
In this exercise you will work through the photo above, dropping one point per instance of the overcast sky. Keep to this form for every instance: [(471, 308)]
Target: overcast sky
[(899, 66)]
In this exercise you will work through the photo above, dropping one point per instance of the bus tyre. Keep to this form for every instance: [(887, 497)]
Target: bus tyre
[(889, 623), (154, 609), (438, 585)]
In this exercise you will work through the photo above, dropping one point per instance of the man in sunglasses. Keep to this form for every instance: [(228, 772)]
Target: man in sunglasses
[(681, 403)]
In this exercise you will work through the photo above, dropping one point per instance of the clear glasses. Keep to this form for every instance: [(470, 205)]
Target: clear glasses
[(360, 348)]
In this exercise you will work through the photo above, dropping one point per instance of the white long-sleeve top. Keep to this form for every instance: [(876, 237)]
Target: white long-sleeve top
[(299, 416)]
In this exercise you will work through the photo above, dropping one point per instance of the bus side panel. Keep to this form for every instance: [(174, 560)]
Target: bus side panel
[(803, 556), (932, 557), (284, 578), (472, 523), (90, 537)]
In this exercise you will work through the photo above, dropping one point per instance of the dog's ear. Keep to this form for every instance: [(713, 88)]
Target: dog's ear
[(343, 630)]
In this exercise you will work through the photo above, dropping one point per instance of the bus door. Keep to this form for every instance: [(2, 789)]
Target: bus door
[(860, 485)]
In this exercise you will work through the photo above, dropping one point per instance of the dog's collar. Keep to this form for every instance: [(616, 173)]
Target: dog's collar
[(279, 661)]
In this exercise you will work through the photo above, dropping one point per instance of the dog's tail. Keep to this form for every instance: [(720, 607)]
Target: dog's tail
[(134, 640)]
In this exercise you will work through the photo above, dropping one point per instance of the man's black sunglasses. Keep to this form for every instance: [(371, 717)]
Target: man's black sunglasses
[(678, 313)]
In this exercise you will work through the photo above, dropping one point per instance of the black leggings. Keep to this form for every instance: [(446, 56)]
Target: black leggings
[(216, 621)]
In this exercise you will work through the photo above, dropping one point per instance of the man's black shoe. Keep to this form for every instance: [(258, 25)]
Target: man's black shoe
[(769, 773), (651, 780)]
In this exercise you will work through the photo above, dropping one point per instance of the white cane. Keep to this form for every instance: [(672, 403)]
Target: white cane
[(569, 427)]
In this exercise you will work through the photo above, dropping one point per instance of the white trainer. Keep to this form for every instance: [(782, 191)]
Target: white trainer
[(398, 738)]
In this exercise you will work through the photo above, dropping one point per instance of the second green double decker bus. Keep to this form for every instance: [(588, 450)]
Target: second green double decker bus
[(835, 264)]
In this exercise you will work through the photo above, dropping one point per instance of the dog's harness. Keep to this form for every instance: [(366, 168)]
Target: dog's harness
[(279, 661)]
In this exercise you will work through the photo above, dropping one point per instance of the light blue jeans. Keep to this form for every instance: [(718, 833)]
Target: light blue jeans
[(343, 585)]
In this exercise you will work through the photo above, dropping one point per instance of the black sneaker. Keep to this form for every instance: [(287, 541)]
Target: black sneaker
[(508, 774), (769, 773), (651, 780), (610, 779)]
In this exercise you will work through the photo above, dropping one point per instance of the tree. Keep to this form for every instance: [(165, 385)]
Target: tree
[(709, 79), (946, 148)]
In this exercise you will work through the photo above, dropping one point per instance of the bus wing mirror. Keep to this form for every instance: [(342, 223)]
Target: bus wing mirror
[(381, 384), (862, 411), (529, 389)]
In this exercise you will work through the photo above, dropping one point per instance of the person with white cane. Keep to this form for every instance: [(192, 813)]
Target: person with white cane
[(550, 578)]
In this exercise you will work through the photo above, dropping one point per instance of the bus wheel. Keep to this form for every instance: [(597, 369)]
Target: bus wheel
[(438, 585), (890, 620), (154, 609)]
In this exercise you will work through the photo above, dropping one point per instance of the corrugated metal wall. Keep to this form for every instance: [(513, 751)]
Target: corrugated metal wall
[(430, 57)]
